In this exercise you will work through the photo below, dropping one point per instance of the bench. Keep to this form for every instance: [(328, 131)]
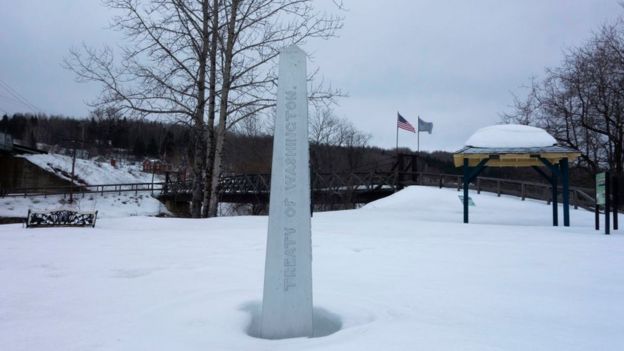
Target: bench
[(60, 218)]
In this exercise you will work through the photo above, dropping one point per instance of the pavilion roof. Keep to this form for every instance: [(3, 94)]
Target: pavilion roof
[(514, 156)]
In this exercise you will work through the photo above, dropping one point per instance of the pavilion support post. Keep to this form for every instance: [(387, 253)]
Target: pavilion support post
[(565, 182), (616, 200), (469, 176), (552, 179), (555, 202), (607, 204), (466, 184)]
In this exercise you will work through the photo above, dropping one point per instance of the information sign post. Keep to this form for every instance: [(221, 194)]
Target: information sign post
[(603, 199)]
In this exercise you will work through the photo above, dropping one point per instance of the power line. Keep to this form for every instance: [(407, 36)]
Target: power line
[(13, 101), (19, 97)]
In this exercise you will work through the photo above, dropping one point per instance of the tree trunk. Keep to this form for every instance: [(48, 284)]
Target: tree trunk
[(212, 93), (223, 110), (198, 164), (197, 175), (216, 169)]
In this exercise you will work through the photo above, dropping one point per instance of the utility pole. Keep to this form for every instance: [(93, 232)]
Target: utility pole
[(73, 168), (71, 188), (153, 171)]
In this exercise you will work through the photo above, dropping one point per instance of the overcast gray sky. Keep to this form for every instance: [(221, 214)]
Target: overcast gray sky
[(454, 63)]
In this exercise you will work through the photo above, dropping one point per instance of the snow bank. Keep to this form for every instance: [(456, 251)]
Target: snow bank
[(401, 274), (430, 204), (510, 135), (91, 172)]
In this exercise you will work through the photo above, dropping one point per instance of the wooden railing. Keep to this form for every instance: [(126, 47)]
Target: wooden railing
[(579, 196)]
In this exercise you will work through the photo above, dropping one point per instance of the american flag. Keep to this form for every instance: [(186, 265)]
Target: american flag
[(404, 124)]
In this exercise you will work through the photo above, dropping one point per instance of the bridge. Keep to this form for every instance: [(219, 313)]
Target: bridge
[(365, 185), (326, 188), (333, 190), (347, 189)]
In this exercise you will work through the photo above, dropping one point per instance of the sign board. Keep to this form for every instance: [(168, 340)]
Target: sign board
[(470, 202), (601, 182)]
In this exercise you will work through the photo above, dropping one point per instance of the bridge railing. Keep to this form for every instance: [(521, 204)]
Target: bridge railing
[(245, 183), (261, 183), (356, 181), (84, 189)]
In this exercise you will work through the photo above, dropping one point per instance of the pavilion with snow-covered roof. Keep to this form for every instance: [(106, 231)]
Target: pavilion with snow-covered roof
[(513, 145)]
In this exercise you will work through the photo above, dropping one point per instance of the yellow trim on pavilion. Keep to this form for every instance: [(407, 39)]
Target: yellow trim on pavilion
[(513, 159)]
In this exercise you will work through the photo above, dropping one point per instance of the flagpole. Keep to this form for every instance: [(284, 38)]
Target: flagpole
[(397, 134), (418, 137), (417, 146)]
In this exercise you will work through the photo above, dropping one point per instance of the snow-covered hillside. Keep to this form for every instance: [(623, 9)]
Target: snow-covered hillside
[(88, 172), (108, 205), (91, 172), (402, 273)]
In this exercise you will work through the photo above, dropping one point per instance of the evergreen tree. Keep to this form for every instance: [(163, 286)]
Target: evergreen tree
[(139, 147), (4, 124), (167, 146), (32, 141), (152, 148)]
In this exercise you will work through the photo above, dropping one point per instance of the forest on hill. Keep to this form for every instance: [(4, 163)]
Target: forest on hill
[(247, 150)]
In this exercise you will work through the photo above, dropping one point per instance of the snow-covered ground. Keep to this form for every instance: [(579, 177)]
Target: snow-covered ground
[(402, 273), (91, 172), (108, 205)]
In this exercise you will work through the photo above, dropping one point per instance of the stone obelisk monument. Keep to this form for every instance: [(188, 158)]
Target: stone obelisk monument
[(287, 295)]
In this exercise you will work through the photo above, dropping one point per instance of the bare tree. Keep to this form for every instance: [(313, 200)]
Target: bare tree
[(161, 71), (252, 36), (581, 103), (206, 63), (327, 129), (330, 132)]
